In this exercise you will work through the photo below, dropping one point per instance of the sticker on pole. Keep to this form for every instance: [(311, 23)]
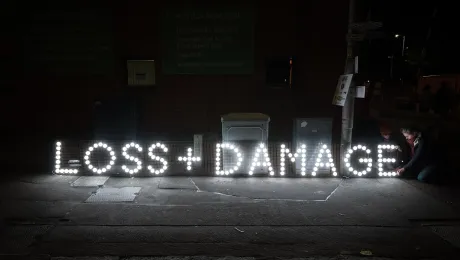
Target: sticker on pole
[(341, 92)]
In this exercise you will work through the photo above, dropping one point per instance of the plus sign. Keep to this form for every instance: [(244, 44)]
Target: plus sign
[(189, 159)]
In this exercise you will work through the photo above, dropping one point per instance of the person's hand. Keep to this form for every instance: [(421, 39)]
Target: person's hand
[(399, 171)]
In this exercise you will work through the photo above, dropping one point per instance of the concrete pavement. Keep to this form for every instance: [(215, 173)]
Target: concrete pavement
[(55, 216)]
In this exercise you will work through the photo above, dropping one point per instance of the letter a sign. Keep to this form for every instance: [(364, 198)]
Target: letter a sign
[(341, 92)]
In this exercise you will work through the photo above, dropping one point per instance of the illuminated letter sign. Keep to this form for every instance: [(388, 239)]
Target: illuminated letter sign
[(324, 160), (131, 158), (258, 162), (232, 169), (385, 160), (363, 160), (189, 159), (96, 146), (157, 158), (101, 158), (302, 152), (58, 159)]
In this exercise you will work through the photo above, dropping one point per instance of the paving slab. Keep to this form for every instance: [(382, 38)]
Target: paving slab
[(360, 237), (448, 233), (48, 178), (119, 182), (270, 188), (302, 241), (187, 197), (448, 194), (59, 191), (225, 216), (409, 201), (125, 194), (90, 181), (179, 183), (256, 213)]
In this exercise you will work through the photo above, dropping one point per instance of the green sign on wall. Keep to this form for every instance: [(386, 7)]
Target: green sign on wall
[(207, 41)]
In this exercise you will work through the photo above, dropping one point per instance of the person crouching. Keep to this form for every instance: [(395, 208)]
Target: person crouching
[(423, 163)]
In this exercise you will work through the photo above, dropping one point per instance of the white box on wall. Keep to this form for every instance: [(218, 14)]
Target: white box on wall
[(141, 72)]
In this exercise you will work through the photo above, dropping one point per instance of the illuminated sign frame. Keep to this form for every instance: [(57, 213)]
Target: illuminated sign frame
[(158, 153)]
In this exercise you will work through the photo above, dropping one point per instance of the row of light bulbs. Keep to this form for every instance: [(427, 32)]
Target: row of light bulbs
[(239, 157), (367, 160), (158, 158), (382, 160), (125, 150), (189, 159), (261, 159), (58, 168)]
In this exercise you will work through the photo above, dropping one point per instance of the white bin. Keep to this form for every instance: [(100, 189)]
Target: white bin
[(313, 132), (245, 127)]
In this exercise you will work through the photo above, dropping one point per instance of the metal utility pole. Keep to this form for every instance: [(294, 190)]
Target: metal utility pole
[(428, 36), (356, 32), (403, 46), (348, 108), (392, 58)]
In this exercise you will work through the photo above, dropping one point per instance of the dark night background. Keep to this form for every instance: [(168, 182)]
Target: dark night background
[(60, 65)]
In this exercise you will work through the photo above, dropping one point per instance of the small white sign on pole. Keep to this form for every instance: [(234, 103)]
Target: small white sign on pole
[(360, 91), (341, 92)]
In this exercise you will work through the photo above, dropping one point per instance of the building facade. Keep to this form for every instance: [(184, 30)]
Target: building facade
[(71, 58)]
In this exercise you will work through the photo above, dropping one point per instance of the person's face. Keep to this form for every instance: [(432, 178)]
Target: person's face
[(385, 134), (410, 137)]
